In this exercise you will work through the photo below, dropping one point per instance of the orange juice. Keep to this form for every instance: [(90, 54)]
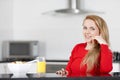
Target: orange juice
[(41, 67)]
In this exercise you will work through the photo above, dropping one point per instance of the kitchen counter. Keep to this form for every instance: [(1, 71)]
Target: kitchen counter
[(52, 67), (53, 76)]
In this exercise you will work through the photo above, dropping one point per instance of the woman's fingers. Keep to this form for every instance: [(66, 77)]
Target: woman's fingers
[(59, 72), (62, 72), (100, 40)]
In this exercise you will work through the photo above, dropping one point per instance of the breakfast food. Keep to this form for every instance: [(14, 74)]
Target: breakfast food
[(18, 62)]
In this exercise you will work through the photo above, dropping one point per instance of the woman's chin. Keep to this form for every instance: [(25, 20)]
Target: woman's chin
[(88, 41)]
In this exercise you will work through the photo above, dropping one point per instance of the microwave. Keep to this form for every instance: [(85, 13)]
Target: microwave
[(20, 49)]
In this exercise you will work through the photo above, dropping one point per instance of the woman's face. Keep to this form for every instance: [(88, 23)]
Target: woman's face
[(90, 30)]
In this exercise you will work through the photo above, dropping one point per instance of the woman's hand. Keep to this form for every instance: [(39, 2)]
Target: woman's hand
[(62, 72), (99, 39)]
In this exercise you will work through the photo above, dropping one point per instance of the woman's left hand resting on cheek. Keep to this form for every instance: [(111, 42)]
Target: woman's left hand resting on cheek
[(100, 40), (62, 72)]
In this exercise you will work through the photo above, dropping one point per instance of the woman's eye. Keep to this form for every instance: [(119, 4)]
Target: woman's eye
[(84, 27), (92, 28)]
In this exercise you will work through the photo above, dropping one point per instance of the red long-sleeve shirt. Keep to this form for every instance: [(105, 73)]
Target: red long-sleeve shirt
[(79, 51)]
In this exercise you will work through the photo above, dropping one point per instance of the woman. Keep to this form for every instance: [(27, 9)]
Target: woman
[(94, 56)]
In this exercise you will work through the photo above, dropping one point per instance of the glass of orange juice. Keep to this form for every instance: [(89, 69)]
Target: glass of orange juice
[(41, 65)]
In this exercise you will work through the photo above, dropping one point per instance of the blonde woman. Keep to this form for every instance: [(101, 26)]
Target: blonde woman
[(93, 56)]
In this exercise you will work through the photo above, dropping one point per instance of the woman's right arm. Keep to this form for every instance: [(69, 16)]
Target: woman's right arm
[(67, 70)]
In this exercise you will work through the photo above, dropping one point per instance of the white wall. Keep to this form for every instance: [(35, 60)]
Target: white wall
[(6, 28), (59, 33)]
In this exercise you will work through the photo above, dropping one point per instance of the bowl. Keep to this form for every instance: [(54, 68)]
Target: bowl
[(18, 69)]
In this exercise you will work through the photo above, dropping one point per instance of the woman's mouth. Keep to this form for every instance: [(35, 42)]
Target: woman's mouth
[(88, 38)]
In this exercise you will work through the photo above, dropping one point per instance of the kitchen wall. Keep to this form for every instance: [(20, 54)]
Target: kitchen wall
[(6, 21), (33, 20)]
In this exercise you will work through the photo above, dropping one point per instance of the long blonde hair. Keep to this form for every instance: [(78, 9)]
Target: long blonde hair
[(91, 59)]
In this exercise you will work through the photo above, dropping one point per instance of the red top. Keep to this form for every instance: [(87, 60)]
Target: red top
[(78, 52)]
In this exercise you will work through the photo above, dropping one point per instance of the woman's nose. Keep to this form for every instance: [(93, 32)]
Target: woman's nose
[(87, 31)]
